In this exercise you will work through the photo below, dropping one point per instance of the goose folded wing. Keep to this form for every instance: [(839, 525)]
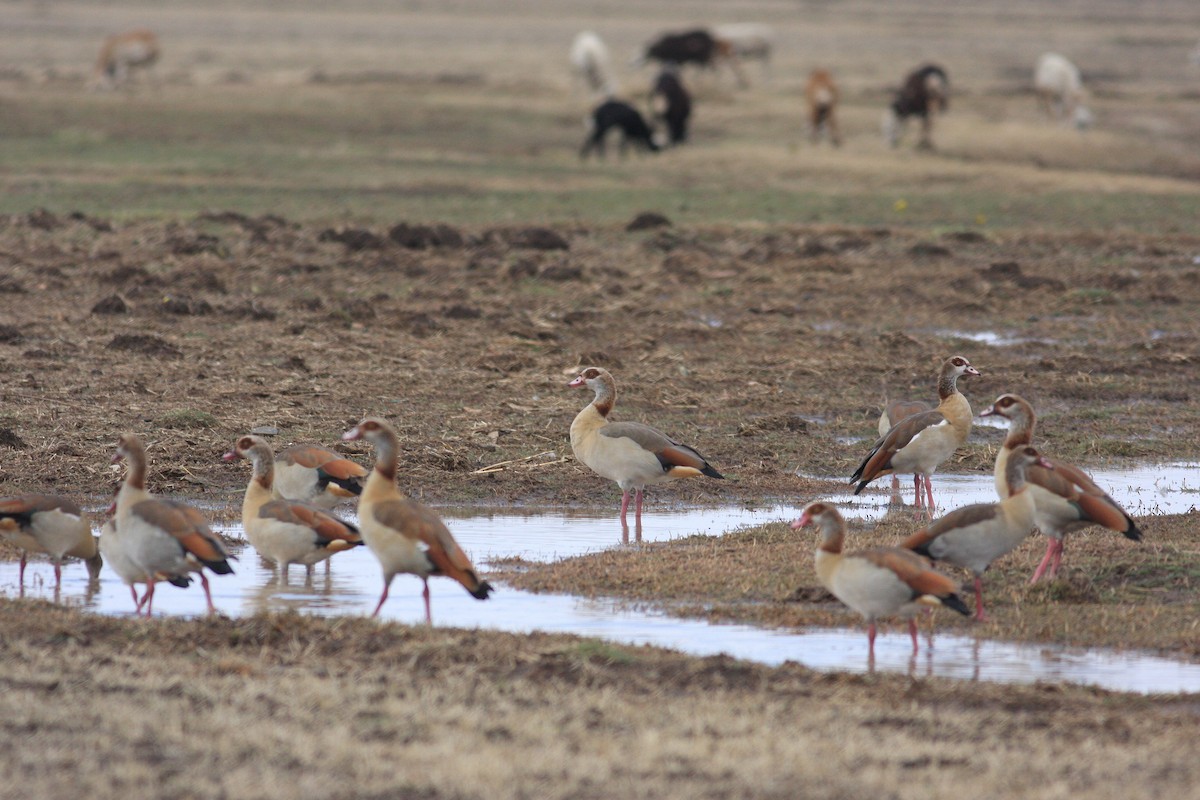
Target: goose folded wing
[(189, 527), (327, 527), (668, 451), (895, 440), (422, 524), (1073, 485)]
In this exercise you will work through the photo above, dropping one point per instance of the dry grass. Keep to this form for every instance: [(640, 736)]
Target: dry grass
[(796, 288), (287, 706)]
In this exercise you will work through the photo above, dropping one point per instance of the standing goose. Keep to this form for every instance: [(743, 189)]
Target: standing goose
[(167, 540), (921, 442), (403, 534), (880, 582), (286, 531), (974, 536), (892, 414), (42, 523), (115, 550), (1067, 500), (632, 454), (312, 474)]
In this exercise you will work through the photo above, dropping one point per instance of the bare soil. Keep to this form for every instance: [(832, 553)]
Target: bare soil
[(770, 351), (313, 216), (293, 706)]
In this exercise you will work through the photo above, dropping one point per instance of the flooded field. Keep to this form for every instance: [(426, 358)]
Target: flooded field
[(353, 582)]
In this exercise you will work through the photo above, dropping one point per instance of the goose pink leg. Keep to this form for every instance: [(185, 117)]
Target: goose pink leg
[(980, 615)]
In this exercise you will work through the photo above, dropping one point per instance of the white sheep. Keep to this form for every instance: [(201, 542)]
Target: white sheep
[(591, 64), (1059, 88)]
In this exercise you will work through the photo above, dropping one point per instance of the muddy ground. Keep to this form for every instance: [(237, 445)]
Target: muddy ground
[(293, 706), (770, 351), (314, 216)]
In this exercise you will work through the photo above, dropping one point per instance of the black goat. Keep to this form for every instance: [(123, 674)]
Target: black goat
[(617, 114), (924, 93), (697, 47), (691, 47), (672, 104)]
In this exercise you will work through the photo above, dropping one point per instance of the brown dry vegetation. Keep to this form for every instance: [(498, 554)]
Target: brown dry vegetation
[(241, 246), (292, 706)]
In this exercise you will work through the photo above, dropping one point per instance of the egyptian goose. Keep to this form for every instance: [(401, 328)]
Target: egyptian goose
[(920, 443), (312, 474), (1066, 498), (632, 454), (892, 413), (403, 534), (880, 582), (286, 531), (115, 550), (41, 523), (974, 536), (164, 538)]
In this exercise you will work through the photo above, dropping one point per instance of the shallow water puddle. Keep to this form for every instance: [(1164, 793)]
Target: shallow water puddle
[(1172, 488), (353, 585)]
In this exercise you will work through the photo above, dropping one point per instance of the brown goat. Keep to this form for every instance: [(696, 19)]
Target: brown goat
[(822, 96)]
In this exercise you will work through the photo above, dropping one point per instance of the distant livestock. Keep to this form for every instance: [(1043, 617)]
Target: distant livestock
[(617, 114), (1060, 91), (821, 94), (672, 104), (925, 92), (591, 64), (122, 54), (748, 41), (697, 47)]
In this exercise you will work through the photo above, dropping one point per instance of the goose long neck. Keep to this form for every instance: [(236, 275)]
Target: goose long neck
[(606, 395), (264, 469), (833, 534), (1020, 428), (387, 455), (947, 382), (135, 478), (1015, 475)]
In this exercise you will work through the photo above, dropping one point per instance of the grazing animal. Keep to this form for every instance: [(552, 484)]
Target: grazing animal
[(404, 535), (748, 41), (697, 47), (592, 66), (42, 523), (632, 454), (617, 114), (167, 540), (1066, 499), (821, 94), (672, 104), (286, 532), (312, 474), (924, 93), (974, 536), (879, 582), (1059, 88), (920, 443), (122, 54)]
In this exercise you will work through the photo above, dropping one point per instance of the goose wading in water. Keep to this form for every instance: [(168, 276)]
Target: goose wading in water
[(630, 453)]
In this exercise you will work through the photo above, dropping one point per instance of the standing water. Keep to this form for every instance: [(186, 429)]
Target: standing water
[(353, 584)]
